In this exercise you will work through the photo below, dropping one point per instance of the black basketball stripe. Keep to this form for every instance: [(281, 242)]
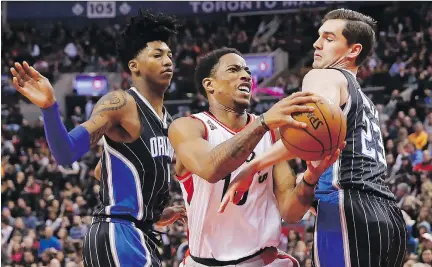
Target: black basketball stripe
[(313, 151), (319, 141), (328, 129)]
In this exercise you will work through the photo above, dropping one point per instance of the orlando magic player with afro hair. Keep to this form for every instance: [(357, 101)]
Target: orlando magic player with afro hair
[(135, 172)]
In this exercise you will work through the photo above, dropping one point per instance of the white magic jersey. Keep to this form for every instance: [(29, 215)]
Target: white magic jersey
[(243, 229)]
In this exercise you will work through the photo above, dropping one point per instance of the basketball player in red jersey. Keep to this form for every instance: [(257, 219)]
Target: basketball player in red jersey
[(211, 147), (356, 212)]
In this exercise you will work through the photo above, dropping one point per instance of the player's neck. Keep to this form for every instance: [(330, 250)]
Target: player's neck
[(354, 69), (155, 96), (234, 119), (346, 65)]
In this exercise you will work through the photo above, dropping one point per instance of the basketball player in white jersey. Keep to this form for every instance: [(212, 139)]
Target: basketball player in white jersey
[(211, 147)]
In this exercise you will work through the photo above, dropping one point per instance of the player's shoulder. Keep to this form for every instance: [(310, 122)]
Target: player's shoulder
[(323, 75), (189, 124), (115, 102), (121, 94)]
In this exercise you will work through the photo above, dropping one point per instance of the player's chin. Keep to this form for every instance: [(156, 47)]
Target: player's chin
[(242, 103), (165, 81), (166, 76), (317, 65)]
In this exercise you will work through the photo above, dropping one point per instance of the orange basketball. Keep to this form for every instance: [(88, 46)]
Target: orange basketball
[(325, 131)]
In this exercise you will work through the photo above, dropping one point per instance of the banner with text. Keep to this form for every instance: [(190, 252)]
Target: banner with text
[(111, 9)]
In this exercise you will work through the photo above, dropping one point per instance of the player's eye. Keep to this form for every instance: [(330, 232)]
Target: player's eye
[(170, 56), (157, 55), (329, 40), (232, 69)]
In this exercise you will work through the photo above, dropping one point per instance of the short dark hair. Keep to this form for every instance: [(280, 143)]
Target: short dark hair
[(141, 29), (207, 65), (359, 28)]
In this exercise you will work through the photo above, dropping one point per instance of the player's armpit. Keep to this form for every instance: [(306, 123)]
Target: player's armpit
[(293, 201), (212, 163), (108, 112), (327, 83)]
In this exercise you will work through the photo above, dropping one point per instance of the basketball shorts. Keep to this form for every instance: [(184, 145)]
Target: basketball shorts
[(355, 229), (271, 257), (118, 243)]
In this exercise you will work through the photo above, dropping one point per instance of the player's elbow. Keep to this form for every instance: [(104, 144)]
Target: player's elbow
[(291, 218), (65, 159), (212, 177), (205, 168), (292, 215)]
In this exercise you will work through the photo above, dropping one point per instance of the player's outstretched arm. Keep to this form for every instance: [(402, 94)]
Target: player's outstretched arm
[(214, 163), (284, 178), (243, 180), (67, 147), (295, 200), (277, 153)]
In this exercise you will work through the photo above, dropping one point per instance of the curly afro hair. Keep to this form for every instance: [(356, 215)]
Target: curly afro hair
[(143, 28)]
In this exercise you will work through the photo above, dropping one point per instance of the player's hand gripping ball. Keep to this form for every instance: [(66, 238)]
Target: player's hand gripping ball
[(324, 134)]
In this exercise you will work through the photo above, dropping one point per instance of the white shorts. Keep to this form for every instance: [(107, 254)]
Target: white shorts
[(270, 257)]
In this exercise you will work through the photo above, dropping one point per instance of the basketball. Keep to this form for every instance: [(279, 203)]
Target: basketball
[(325, 131)]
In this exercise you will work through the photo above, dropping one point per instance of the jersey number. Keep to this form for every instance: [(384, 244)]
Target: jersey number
[(228, 180), (372, 144)]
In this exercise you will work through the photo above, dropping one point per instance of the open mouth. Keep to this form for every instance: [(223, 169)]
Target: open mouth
[(244, 88)]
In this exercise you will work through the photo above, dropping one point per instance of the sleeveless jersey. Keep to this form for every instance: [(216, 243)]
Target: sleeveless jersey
[(135, 176), (362, 164), (242, 229)]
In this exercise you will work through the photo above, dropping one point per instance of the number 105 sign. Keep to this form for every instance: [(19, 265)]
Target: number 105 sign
[(98, 9)]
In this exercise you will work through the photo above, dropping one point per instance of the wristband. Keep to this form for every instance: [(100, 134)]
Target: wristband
[(263, 123)]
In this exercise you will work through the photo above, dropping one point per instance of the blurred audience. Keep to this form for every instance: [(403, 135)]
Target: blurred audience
[(47, 208)]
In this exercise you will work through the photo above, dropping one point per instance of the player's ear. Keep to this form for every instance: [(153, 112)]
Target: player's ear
[(207, 83), (355, 50), (133, 65)]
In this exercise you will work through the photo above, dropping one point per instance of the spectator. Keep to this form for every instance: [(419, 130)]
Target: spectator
[(419, 137), (415, 155), (426, 165), (428, 123), (48, 241), (78, 230)]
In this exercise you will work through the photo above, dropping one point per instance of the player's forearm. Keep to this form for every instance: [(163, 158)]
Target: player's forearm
[(228, 156), (65, 147), (277, 153), (294, 205)]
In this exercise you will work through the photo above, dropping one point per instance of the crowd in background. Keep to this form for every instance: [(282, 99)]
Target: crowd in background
[(46, 208), (56, 48)]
